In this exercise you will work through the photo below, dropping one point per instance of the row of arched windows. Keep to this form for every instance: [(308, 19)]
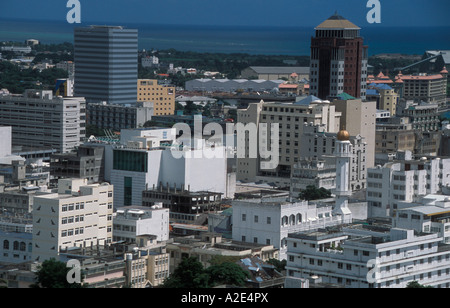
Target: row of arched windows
[(16, 245), (291, 220)]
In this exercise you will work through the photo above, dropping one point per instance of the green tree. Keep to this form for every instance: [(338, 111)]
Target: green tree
[(227, 273), (279, 265), (313, 193), (417, 285), (52, 274), (188, 274)]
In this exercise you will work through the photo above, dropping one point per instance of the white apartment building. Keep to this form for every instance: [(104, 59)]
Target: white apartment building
[(147, 158), (430, 215), (269, 221), (290, 118), (363, 258), (404, 181), (76, 215), (40, 120), (133, 221)]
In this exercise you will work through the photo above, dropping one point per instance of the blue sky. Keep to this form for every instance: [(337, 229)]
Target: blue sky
[(295, 13)]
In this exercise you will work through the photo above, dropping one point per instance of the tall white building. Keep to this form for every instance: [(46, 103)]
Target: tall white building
[(76, 215), (404, 181), (364, 258), (146, 158)]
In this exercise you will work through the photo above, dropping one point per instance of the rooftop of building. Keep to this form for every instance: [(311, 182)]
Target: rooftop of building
[(337, 22), (281, 69)]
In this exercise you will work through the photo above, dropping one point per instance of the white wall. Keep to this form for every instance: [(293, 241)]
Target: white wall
[(5, 137)]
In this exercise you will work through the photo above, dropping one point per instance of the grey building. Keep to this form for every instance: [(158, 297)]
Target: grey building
[(118, 117), (227, 85), (88, 162), (39, 120), (106, 60), (275, 72)]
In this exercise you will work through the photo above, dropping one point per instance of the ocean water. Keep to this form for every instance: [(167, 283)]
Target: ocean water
[(251, 40)]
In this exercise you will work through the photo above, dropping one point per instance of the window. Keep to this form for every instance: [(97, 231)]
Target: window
[(130, 161), (256, 219), (269, 220), (128, 190), (244, 217)]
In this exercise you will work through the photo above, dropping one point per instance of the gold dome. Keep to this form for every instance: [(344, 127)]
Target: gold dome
[(343, 135)]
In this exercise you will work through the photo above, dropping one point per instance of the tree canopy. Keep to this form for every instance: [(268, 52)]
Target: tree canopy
[(313, 193), (190, 273), (52, 274)]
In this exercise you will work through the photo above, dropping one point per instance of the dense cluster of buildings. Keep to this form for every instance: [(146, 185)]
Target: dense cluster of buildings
[(131, 205)]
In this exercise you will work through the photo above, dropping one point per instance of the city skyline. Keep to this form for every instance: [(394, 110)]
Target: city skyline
[(402, 13)]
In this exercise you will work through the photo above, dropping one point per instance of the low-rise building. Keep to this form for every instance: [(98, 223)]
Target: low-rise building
[(404, 181), (211, 245), (275, 72), (269, 221), (366, 257), (117, 117), (87, 162), (130, 222)]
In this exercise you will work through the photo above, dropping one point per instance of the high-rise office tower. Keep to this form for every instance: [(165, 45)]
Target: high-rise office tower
[(106, 64), (338, 60)]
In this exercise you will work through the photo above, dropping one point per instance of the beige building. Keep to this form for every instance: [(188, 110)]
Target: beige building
[(76, 215), (291, 118), (163, 97), (148, 265), (385, 96), (359, 118), (428, 88)]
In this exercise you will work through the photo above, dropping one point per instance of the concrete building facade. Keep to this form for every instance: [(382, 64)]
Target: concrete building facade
[(118, 117), (290, 119), (106, 60), (77, 215), (339, 60), (162, 97), (359, 258), (359, 118), (40, 120), (130, 222), (269, 221), (404, 181)]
